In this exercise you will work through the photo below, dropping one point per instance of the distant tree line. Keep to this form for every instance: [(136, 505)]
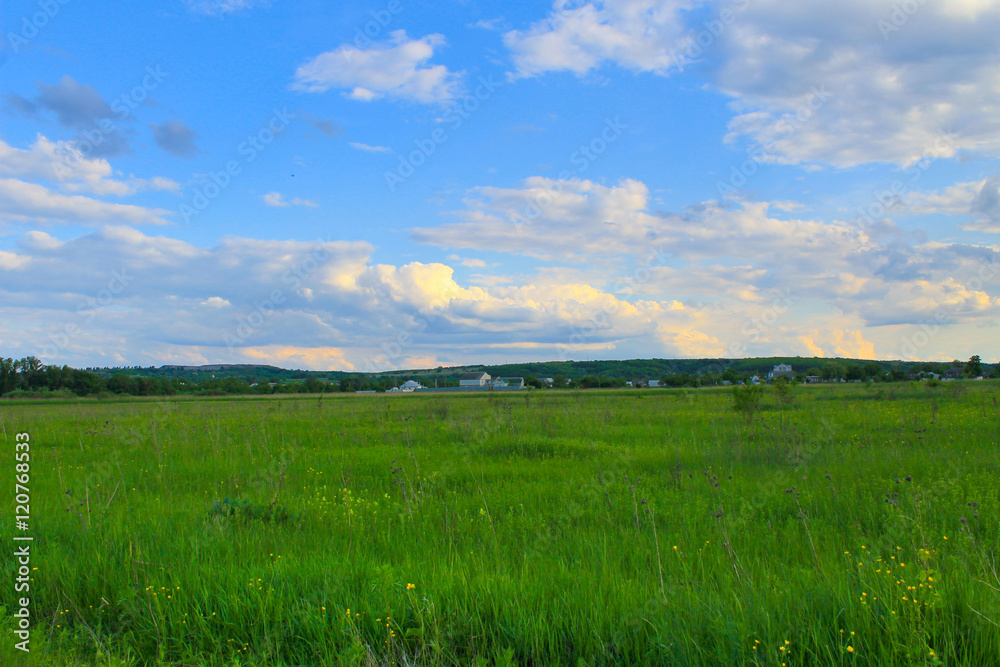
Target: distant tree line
[(30, 377)]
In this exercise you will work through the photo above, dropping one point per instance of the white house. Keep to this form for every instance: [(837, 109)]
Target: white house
[(411, 385), (653, 383), (781, 371), (474, 380)]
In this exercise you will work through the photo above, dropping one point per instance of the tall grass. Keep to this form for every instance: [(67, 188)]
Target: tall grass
[(834, 527)]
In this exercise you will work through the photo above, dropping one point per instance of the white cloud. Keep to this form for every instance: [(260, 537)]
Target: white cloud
[(901, 86), (21, 201), (898, 86), (979, 200), (278, 199), (367, 148), (60, 162), (325, 304), (641, 35), (580, 220), (10, 261), (397, 68)]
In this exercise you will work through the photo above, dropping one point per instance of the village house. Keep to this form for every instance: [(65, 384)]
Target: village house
[(474, 380), (781, 371)]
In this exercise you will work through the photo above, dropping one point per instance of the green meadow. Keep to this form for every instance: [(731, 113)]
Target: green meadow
[(837, 525)]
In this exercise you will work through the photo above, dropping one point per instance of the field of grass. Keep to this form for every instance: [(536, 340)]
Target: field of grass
[(851, 525)]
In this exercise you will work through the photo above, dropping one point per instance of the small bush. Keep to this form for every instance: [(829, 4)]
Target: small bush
[(746, 399)]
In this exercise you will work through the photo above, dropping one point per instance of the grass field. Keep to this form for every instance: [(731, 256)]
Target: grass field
[(851, 525)]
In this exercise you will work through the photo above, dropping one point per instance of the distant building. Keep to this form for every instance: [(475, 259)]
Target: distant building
[(813, 379), (781, 371), (654, 383), (547, 380), (513, 382), (954, 372), (411, 385), (474, 380)]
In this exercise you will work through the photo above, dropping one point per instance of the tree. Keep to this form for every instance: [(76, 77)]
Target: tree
[(873, 370), (897, 373), (974, 367), (84, 383), (833, 370), (122, 384), (9, 378)]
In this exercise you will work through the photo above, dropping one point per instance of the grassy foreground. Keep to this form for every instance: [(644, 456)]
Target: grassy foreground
[(849, 526)]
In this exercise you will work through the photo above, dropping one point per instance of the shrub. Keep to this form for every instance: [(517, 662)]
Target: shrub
[(746, 399)]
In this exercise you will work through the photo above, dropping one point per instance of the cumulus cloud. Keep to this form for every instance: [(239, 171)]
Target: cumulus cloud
[(325, 302), (63, 163), (901, 87), (727, 253), (641, 35), (979, 200), (894, 85), (396, 69), (580, 220)]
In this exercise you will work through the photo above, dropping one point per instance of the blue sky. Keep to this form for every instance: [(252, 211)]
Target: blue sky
[(374, 185)]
